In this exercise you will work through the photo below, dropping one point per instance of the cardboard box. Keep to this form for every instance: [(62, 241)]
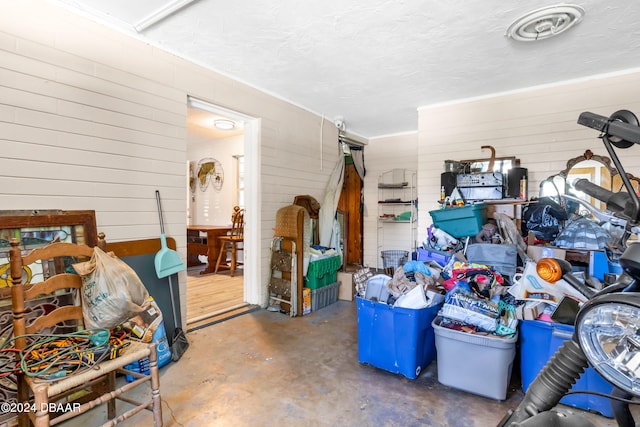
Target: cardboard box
[(507, 209), (530, 310), (306, 301), (347, 287), (537, 252)]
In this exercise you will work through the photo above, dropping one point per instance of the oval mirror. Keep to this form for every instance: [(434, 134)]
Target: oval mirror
[(594, 168), (618, 185)]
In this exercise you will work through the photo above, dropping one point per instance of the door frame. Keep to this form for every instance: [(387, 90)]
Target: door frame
[(253, 293)]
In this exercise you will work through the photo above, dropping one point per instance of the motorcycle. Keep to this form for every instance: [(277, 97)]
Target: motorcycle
[(607, 327)]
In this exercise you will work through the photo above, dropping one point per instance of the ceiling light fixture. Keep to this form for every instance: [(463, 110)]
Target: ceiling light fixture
[(224, 124), (545, 22)]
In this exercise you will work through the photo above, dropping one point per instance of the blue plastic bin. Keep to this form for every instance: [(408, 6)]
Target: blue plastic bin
[(440, 257), (398, 340), (538, 343), (462, 221)]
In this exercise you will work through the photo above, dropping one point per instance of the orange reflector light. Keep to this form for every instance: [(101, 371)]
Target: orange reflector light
[(549, 269)]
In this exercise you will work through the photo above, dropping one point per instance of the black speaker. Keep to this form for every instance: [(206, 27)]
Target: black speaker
[(513, 182), (448, 181)]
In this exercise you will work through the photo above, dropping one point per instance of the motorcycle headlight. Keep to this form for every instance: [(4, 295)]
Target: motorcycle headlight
[(608, 329)]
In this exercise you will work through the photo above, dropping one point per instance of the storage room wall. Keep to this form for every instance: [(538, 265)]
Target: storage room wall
[(538, 126), (214, 206), (381, 155), (94, 119)]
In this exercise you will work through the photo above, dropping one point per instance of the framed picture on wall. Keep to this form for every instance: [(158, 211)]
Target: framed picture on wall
[(39, 228)]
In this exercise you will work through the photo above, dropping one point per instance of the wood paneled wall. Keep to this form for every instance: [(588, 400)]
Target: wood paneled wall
[(91, 118), (539, 126)]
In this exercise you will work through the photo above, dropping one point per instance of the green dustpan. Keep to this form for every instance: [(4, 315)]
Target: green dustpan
[(167, 261)]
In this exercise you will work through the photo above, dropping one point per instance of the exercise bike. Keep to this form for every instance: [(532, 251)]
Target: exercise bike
[(607, 327)]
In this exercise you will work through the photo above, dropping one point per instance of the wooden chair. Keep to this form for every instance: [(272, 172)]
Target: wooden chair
[(232, 242), (43, 393)]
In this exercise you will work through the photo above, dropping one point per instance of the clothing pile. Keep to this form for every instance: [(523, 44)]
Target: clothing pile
[(477, 300), (413, 285)]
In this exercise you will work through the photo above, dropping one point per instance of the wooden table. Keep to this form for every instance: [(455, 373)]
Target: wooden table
[(213, 245)]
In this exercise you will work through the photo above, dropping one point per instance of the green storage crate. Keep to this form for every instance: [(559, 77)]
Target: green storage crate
[(462, 221), (322, 272)]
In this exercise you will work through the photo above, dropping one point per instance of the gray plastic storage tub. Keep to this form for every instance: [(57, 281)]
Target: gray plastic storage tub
[(324, 296), (477, 364)]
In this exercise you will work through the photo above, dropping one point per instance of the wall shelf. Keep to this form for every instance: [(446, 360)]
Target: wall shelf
[(397, 212)]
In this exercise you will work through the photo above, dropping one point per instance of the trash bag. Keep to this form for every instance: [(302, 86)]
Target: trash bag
[(544, 218), (112, 292)]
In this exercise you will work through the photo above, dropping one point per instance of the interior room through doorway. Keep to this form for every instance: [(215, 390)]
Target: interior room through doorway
[(215, 184)]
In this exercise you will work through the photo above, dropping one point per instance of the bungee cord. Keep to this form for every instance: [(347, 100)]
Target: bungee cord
[(54, 356)]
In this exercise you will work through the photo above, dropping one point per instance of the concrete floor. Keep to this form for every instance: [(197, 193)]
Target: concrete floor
[(264, 369)]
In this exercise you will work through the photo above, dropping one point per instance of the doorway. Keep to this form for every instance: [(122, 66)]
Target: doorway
[(219, 177), (350, 208)]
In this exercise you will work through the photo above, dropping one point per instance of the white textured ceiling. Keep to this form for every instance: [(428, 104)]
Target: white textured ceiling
[(374, 62)]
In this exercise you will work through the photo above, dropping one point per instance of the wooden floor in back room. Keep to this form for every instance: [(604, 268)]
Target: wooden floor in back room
[(213, 297)]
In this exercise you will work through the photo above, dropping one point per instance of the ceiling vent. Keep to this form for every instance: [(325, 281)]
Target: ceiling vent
[(546, 22)]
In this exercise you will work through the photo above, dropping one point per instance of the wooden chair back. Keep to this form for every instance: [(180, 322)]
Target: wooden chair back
[(237, 223), (232, 242), (31, 317), (55, 260), (31, 302)]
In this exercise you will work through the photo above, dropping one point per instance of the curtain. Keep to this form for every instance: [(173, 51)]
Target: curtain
[(357, 154), (329, 204)]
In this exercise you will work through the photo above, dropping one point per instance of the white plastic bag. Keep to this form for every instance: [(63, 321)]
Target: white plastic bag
[(529, 286), (112, 292)]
